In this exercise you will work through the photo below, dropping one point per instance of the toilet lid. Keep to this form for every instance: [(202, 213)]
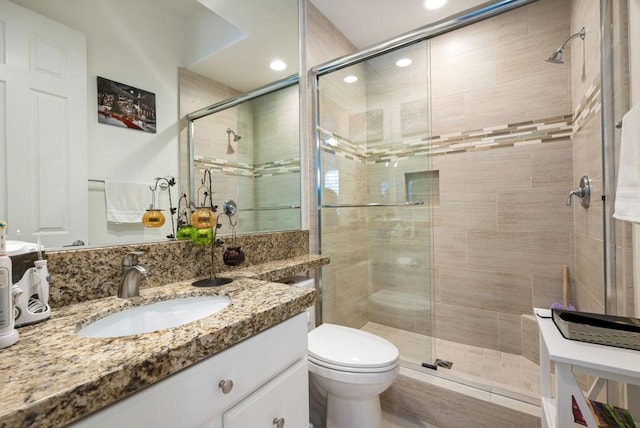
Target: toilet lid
[(348, 347)]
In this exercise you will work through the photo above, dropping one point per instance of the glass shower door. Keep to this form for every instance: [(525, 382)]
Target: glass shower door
[(377, 190)]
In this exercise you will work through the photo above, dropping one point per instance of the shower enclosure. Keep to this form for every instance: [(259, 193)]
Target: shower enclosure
[(250, 145), (444, 162)]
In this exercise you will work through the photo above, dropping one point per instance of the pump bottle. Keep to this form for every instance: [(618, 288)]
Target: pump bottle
[(8, 334)]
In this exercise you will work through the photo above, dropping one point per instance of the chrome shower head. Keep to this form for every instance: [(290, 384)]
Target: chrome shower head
[(556, 57), (236, 137)]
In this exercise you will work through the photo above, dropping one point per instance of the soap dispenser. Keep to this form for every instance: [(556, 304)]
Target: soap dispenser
[(8, 333)]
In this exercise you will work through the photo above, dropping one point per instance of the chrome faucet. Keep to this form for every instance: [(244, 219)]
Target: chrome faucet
[(132, 273)]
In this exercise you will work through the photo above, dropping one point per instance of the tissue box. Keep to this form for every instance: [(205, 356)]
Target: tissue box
[(609, 330)]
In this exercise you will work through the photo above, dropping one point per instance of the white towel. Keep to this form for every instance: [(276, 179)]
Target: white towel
[(627, 206), (126, 202)]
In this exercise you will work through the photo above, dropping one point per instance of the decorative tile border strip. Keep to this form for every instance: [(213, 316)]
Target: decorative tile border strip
[(278, 167), (495, 137), (336, 144), (223, 165), (286, 166)]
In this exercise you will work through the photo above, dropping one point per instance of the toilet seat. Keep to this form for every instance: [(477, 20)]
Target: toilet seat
[(387, 374), (340, 368), (350, 350)]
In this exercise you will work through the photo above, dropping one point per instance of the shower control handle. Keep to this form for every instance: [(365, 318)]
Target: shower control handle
[(583, 191)]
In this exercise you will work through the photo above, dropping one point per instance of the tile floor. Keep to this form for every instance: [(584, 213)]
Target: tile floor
[(498, 372)]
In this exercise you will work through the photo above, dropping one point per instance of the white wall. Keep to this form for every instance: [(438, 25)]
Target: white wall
[(140, 45), (135, 43)]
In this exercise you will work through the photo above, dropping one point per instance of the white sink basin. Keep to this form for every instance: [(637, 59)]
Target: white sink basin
[(155, 316)]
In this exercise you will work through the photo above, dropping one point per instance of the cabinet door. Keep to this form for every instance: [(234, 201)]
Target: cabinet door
[(283, 399)]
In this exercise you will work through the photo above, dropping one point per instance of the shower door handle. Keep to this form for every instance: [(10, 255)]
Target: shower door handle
[(583, 191)]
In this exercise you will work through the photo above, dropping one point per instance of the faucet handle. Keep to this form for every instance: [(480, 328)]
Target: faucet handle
[(583, 192), (131, 258)]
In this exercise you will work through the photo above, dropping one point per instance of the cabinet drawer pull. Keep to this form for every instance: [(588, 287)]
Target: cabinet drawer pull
[(278, 422), (226, 386)]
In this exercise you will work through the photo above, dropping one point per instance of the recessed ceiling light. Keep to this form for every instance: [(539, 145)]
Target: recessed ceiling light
[(433, 4), (403, 62), (351, 79), (277, 65)]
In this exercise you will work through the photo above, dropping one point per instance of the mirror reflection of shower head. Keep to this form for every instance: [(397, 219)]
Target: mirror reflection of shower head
[(556, 56), (236, 137)]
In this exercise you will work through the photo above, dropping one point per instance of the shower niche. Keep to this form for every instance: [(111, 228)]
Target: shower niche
[(423, 186)]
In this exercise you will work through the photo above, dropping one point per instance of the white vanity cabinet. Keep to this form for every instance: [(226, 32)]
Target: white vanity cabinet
[(276, 404), (259, 382)]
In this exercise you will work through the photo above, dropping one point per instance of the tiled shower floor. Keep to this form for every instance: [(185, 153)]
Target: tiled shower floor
[(499, 372)]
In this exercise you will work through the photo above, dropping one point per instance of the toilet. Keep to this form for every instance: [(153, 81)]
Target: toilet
[(351, 368), (348, 370)]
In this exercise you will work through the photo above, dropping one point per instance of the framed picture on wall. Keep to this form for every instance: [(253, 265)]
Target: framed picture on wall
[(126, 106)]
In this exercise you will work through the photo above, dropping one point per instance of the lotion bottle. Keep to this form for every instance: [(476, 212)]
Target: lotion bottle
[(8, 334)]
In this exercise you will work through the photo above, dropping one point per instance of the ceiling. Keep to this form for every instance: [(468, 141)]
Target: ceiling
[(369, 22), (242, 37)]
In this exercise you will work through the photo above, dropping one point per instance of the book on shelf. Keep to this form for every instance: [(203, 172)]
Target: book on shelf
[(606, 415)]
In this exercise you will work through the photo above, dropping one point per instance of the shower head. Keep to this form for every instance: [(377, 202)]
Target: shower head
[(556, 56), (236, 137)]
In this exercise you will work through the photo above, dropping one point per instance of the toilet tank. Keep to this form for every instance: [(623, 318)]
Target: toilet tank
[(304, 282)]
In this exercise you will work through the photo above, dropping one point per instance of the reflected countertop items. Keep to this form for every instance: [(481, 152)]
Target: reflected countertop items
[(53, 376)]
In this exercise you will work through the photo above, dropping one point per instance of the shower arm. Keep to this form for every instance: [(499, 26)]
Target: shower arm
[(580, 34)]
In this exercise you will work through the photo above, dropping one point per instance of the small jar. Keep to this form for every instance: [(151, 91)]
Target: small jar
[(202, 237), (203, 218), (153, 218), (186, 232), (233, 256)]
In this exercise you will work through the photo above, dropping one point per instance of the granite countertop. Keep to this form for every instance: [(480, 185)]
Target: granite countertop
[(53, 376)]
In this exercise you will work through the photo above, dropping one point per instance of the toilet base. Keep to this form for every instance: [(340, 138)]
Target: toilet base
[(345, 413)]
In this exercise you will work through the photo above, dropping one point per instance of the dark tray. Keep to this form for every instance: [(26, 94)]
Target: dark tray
[(609, 330)]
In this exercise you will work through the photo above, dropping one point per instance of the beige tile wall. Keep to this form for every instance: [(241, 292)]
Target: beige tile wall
[(322, 42), (276, 125), (502, 233), (500, 59), (344, 293)]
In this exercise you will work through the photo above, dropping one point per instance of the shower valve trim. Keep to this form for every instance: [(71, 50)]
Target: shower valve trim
[(583, 191)]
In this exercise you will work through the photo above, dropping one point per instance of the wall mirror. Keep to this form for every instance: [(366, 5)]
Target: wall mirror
[(250, 146), (148, 44)]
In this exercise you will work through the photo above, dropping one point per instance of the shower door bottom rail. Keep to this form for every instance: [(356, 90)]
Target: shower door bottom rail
[(373, 204)]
